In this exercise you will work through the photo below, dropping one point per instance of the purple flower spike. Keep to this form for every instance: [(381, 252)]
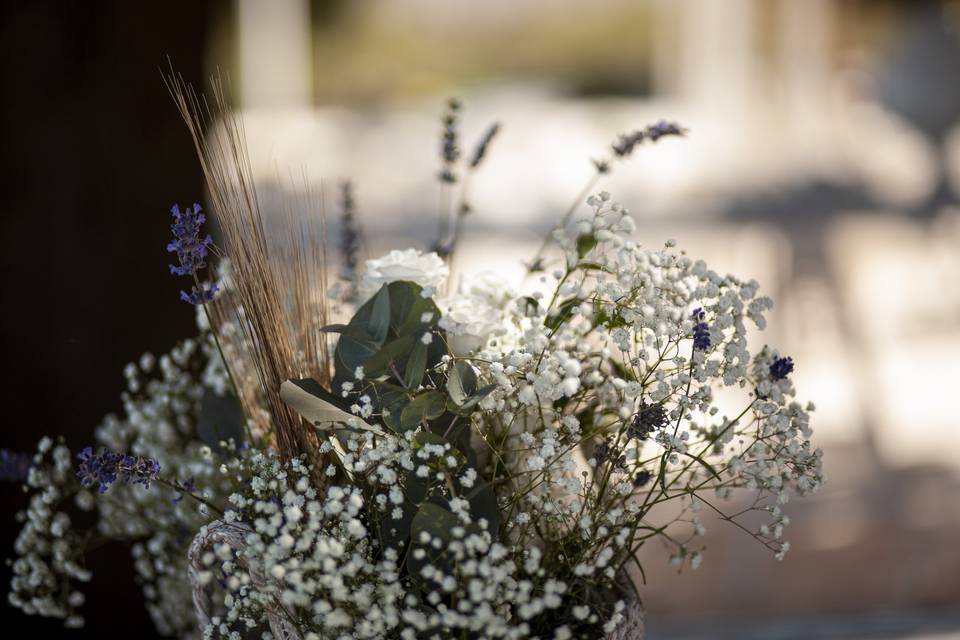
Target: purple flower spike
[(781, 368), (191, 250), (106, 467)]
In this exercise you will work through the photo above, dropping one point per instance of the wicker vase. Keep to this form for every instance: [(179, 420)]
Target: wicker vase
[(233, 535)]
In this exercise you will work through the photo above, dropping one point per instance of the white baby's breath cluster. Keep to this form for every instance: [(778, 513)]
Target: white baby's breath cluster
[(160, 404), (606, 410), (49, 563), (312, 559)]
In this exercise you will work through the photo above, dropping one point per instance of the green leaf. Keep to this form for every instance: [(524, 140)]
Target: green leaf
[(373, 318), (415, 367), (391, 400), (395, 532), (592, 266), (337, 328), (438, 522), (317, 406), (220, 419), (472, 401), (585, 242), (424, 407), (394, 352), (408, 309), (434, 520), (426, 437), (379, 321), (563, 313), (483, 504), (353, 352), (461, 382)]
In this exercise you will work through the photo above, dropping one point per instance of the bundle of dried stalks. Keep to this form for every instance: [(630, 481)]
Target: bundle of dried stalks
[(278, 272)]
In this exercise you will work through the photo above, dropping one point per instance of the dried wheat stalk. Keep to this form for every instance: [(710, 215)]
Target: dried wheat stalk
[(278, 272)]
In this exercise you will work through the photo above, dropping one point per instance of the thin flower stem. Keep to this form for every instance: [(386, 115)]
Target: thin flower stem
[(176, 486), (226, 366), (534, 264)]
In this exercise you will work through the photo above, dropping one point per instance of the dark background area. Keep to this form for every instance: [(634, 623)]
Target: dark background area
[(94, 155)]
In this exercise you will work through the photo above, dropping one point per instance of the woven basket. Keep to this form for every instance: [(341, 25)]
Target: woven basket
[(233, 535)]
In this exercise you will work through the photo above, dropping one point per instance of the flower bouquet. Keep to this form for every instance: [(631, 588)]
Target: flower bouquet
[(474, 461)]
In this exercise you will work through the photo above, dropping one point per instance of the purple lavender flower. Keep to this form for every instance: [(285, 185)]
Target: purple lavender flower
[(14, 465), (480, 151), (200, 295), (781, 368), (626, 143), (191, 250), (701, 331), (449, 145), (106, 467), (664, 128), (642, 478), (650, 418), (350, 238)]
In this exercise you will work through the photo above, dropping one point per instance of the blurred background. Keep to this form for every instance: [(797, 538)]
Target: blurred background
[(823, 159)]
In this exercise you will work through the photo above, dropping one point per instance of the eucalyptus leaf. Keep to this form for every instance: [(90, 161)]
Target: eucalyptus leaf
[(339, 328), (379, 321), (394, 352), (438, 522), (461, 382), (370, 316), (416, 366), (220, 419), (585, 242), (426, 437), (390, 399), (409, 307), (434, 520), (353, 352), (425, 406), (301, 396), (475, 398), (395, 532), (483, 504), (562, 314)]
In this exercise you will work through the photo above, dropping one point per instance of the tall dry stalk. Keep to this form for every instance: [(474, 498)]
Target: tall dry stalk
[(278, 272)]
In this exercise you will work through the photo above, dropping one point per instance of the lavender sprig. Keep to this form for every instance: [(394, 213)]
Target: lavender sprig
[(449, 142), (625, 143), (190, 249), (622, 148), (192, 252), (106, 467), (480, 151), (350, 236), (701, 331), (649, 419), (781, 368)]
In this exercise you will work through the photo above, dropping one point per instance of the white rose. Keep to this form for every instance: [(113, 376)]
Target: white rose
[(489, 286), (469, 322), (426, 269)]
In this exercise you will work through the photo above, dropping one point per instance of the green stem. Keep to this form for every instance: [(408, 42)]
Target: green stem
[(587, 188)]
